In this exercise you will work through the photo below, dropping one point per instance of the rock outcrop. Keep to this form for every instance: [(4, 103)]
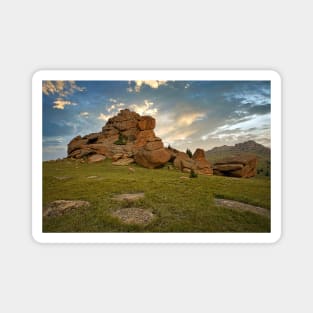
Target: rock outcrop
[(197, 163), (152, 155), (125, 137), (203, 166), (236, 166), (128, 137)]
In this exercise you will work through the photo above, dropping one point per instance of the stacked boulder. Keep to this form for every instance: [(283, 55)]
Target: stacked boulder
[(125, 138), (236, 166), (197, 163)]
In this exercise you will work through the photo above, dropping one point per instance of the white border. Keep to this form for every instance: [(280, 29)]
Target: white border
[(276, 209)]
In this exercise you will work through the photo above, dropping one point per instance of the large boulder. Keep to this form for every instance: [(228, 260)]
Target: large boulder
[(237, 166), (75, 144), (199, 154), (152, 158), (197, 163), (143, 137), (182, 160), (146, 123), (203, 166)]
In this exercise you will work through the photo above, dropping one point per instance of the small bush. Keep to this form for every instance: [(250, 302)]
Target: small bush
[(188, 151), (193, 174), (121, 140)]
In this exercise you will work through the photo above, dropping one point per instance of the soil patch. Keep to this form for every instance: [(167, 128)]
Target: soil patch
[(60, 207), (236, 205), (134, 215), (62, 177), (129, 196)]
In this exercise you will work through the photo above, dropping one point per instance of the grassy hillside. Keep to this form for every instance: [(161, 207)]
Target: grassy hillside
[(179, 205)]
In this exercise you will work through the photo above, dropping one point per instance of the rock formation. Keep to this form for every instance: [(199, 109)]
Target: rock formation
[(203, 166), (198, 162), (128, 137), (125, 138), (236, 166)]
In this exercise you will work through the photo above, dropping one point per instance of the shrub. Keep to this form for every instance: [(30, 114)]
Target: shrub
[(193, 174), (121, 140), (189, 153)]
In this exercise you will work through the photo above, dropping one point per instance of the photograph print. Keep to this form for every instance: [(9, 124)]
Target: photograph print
[(172, 156)]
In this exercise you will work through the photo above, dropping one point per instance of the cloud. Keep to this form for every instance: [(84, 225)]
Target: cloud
[(146, 108), (251, 96), (189, 118), (179, 135), (247, 128), (154, 84), (86, 114), (112, 107), (104, 117), (53, 140), (61, 103), (48, 87), (178, 129), (60, 88)]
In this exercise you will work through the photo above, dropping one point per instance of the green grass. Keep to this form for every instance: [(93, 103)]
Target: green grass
[(180, 205)]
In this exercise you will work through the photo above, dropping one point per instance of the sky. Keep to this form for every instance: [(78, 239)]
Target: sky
[(189, 114)]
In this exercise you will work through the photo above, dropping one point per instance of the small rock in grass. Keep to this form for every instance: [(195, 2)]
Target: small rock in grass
[(129, 196), (134, 215), (60, 207)]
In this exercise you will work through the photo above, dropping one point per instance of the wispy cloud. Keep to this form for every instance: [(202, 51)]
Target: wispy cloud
[(154, 84), (86, 114), (53, 140), (145, 108), (250, 127), (60, 88), (251, 97), (189, 118), (104, 117), (61, 103)]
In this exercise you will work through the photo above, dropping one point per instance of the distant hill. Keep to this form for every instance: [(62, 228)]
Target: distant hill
[(248, 147)]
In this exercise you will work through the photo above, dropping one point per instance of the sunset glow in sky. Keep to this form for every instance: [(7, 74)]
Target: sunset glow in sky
[(189, 114)]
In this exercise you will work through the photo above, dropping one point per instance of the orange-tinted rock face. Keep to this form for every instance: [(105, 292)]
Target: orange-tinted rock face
[(123, 136), (237, 166), (198, 154), (152, 158), (146, 123), (198, 163), (143, 137), (203, 166)]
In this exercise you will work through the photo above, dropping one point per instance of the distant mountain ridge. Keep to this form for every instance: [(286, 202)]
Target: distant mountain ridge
[(248, 147)]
